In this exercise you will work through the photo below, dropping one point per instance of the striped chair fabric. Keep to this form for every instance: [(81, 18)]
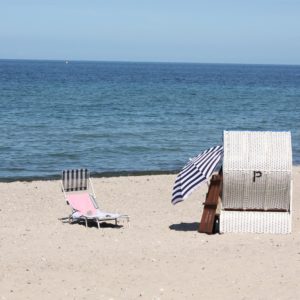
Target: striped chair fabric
[(75, 180)]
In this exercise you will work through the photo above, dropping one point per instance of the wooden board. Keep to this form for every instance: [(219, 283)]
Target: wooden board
[(210, 205)]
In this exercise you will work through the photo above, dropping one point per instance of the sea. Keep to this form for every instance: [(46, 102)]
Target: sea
[(122, 118)]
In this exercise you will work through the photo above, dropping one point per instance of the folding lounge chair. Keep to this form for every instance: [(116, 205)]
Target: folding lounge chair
[(79, 194), (257, 182)]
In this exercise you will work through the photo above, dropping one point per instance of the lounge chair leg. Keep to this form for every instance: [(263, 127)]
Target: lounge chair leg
[(98, 223), (85, 222)]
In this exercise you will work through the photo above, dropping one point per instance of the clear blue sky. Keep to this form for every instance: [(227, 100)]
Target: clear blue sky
[(216, 31)]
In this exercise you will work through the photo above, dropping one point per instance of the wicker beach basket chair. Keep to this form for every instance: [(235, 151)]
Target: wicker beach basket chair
[(257, 182)]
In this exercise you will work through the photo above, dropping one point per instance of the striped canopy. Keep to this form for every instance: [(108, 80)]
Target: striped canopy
[(198, 170)]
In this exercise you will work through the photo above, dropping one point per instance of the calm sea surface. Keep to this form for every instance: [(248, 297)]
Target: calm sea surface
[(114, 117)]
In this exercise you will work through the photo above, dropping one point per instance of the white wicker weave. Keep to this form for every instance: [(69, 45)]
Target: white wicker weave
[(257, 175), (255, 222)]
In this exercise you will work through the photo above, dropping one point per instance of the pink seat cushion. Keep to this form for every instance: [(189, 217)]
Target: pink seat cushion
[(82, 203)]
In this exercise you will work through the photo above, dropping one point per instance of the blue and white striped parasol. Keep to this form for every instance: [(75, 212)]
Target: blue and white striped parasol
[(198, 170)]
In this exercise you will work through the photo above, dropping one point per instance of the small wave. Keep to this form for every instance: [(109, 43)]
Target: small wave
[(93, 174), (64, 155)]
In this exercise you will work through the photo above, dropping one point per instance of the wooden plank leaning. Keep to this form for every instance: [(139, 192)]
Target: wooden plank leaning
[(210, 205)]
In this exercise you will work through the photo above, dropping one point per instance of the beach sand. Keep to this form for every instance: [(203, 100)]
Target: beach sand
[(159, 256)]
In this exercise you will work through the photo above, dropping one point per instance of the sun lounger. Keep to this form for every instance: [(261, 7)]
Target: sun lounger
[(79, 194)]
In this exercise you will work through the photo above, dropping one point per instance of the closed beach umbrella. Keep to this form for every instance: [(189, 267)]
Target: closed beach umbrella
[(198, 170)]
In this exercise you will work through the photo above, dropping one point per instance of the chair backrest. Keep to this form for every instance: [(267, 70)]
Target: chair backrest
[(257, 170), (75, 180)]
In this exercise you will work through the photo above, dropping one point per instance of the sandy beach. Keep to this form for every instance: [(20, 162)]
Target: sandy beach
[(159, 256)]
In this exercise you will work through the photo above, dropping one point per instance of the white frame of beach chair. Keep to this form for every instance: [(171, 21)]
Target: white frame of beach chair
[(257, 182), (80, 181)]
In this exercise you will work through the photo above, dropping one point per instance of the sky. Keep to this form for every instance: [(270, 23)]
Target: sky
[(212, 31)]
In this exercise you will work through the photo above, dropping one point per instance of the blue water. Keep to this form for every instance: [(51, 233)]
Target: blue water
[(113, 117)]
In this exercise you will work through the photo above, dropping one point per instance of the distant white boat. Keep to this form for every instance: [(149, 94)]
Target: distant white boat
[(66, 62)]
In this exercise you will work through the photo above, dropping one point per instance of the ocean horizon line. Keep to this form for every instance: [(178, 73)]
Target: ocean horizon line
[(146, 62)]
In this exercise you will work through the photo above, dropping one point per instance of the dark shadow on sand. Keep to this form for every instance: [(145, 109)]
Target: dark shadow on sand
[(195, 226), (92, 224), (185, 226)]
